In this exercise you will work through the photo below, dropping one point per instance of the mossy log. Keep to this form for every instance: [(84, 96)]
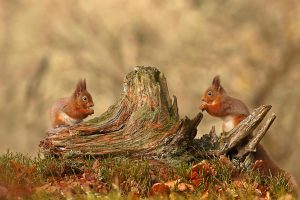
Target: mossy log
[(145, 122)]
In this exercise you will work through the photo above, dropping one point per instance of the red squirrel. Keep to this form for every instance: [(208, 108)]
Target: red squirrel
[(232, 111), (73, 109)]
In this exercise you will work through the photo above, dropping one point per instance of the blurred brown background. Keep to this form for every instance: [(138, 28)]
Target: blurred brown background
[(46, 46)]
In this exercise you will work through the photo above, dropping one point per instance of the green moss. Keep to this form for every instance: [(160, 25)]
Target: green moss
[(145, 113), (106, 115), (120, 175)]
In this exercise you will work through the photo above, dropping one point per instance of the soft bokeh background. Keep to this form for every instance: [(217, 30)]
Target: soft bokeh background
[(46, 46)]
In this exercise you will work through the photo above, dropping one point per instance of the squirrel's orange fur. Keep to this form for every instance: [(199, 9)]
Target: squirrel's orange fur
[(73, 109), (232, 111)]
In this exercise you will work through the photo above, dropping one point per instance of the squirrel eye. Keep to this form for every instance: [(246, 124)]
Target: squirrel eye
[(209, 93), (84, 98)]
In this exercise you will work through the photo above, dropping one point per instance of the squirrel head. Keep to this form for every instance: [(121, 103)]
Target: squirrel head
[(83, 98), (214, 91)]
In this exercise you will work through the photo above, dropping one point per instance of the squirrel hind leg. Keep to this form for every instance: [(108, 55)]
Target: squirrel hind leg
[(57, 120)]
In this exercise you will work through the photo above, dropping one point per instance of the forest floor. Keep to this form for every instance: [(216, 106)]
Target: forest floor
[(25, 177)]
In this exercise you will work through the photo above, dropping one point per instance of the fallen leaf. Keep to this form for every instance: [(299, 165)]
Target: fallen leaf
[(239, 184), (196, 182), (160, 189), (225, 161), (184, 187), (201, 171), (194, 175), (204, 167)]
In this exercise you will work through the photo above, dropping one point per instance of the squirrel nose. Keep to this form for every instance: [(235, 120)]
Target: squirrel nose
[(91, 105)]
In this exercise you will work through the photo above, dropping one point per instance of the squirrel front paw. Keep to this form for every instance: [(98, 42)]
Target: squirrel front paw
[(203, 106), (90, 111)]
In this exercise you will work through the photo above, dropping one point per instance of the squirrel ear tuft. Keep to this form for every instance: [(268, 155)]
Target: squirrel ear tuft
[(216, 81), (84, 84), (79, 87)]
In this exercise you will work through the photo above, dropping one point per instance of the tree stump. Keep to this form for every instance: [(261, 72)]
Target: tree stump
[(145, 122)]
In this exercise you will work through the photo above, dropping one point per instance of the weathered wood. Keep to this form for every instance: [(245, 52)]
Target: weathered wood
[(236, 137), (145, 122), (251, 145), (244, 128)]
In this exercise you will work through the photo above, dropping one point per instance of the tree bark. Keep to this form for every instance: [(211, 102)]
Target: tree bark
[(145, 123)]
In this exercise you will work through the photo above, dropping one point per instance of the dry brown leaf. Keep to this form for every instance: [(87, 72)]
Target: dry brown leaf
[(160, 189), (182, 187), (201, 171), (196, 182), (194, 175), (240, 184), (204, 167), (225, 161)]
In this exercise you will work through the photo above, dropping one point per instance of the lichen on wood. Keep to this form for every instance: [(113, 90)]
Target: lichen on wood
[(145, 122)]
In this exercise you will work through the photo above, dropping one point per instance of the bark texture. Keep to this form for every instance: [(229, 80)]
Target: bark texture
[(145, 122)]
